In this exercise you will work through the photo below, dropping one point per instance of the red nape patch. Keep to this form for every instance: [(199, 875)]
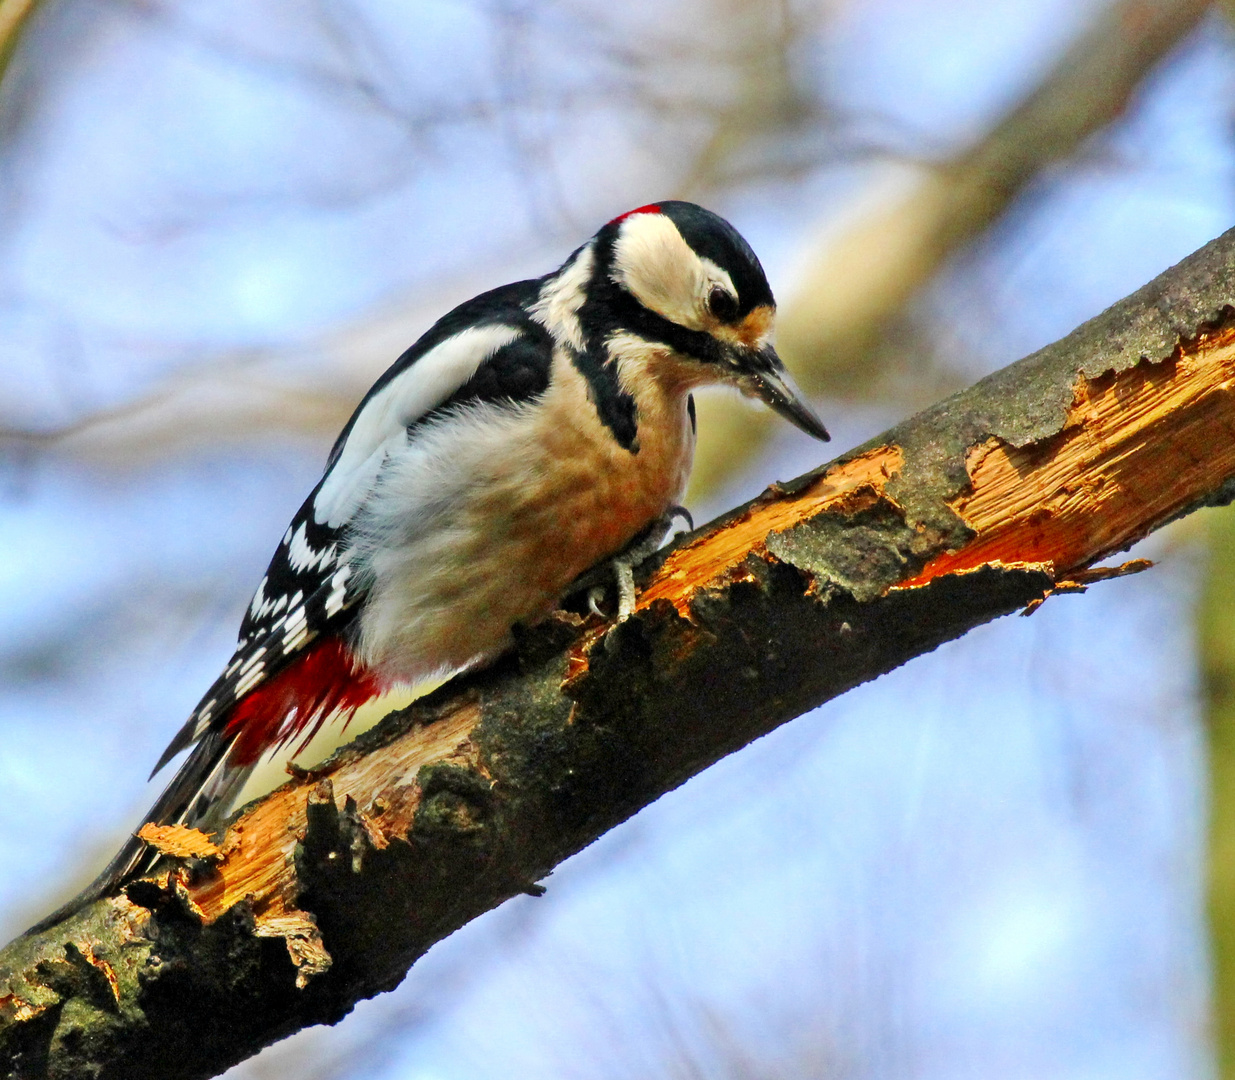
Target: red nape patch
[(326, 679), (651, 208)]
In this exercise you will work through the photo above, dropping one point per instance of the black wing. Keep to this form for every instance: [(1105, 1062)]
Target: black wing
[(310, 588)]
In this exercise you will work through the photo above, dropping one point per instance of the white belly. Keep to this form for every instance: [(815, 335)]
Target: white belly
[(487, 521)]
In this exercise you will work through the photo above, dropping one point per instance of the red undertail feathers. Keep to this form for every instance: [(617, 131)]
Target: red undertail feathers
[(326, 678)]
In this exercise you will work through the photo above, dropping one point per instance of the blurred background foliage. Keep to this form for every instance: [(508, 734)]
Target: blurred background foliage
[(220, 221)]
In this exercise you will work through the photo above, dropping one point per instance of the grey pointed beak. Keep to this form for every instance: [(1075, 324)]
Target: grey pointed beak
[(774, 386)]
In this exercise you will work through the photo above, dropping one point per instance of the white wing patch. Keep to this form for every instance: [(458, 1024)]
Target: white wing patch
[(259, 605), (338, 591), (382, 423), (263, 607), (295, 628), (249, 680)]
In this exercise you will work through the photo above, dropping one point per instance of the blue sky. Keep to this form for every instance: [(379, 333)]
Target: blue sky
[(986, 863)]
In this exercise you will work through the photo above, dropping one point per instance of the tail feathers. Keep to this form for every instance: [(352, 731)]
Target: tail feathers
[(199, 796), (289, 707)]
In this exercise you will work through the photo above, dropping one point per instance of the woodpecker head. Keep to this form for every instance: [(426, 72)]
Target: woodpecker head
[(673, 274)]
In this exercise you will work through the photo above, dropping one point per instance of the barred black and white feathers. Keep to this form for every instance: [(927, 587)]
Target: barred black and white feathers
[(533, 432), (484, 351)]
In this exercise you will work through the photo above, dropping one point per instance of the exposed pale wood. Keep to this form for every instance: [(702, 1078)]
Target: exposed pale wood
[(258, 848), (1136, 448), (716, 556), (179, 841)]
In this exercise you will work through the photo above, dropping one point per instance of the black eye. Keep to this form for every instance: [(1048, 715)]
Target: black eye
[(722, 304)]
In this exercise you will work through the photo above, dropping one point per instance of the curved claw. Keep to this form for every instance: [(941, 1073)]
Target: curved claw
[(676, 511), (594, 595), (622, 566)]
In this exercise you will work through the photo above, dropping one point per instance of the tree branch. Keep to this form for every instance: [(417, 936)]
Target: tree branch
[(13, 16), (857, 278), (327, 890), (866, 266)]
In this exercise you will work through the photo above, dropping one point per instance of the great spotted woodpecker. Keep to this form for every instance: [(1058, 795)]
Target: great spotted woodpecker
[(532, 433)]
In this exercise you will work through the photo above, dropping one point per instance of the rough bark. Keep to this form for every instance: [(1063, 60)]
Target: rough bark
[(328, 889)]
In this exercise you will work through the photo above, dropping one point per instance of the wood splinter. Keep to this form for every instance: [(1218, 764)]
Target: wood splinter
[(1080, 580), (180, 842)]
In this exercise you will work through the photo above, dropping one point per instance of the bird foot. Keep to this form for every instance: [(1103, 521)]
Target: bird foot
[(622, 566)]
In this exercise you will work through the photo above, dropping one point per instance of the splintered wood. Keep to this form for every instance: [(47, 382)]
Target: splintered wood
[(259, 846), (716, 558), (1137, 447), (180, 841)]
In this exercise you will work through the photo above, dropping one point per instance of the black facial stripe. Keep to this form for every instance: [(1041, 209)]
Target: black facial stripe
[(611, 308), (614, 406), (714, 238), (647, 324)]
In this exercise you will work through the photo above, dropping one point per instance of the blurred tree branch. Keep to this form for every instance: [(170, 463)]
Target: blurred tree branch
[(858, 279), (325, 891), (13, 16), (1216, 649), (860, 274), (1216, 646)]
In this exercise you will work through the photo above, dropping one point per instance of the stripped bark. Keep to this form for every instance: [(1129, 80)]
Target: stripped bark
[(327, 890)]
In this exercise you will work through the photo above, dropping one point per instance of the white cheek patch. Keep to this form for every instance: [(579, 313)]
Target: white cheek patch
[(382, 423), (653, 261)]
